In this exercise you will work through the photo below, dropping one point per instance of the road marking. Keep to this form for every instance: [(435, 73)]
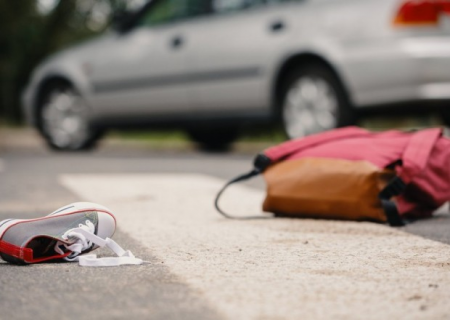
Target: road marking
[(281, 268)]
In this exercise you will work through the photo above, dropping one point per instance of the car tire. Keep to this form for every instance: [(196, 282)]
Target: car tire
[(213, 139), (313, 100), (64, 119)]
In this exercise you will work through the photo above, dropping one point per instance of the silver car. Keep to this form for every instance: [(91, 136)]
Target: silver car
[(212, 66)]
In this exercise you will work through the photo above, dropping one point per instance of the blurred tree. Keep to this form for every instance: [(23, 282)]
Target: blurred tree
[(13, 15), (28, 34)]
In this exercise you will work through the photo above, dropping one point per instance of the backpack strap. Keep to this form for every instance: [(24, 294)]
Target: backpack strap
[(415, 157), (394, 188), (260, 163)]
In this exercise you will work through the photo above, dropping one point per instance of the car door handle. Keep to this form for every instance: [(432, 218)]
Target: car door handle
[(277, 26), (177, 42)]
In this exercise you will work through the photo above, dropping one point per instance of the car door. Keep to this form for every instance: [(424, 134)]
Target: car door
[(232, 54), (142, 71)]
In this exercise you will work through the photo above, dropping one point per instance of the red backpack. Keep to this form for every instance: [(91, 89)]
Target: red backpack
[(343, 174)]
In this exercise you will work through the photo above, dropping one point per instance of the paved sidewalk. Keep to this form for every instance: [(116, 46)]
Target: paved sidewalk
[(273, 269)]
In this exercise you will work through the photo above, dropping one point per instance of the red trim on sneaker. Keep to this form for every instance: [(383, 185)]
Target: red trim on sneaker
[(59, 256), (25, 254)]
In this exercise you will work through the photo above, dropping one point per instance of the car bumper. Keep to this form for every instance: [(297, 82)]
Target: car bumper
[(411, 69), (432, 57)]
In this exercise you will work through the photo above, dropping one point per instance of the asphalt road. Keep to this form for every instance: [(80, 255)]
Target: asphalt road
[(182, 280)]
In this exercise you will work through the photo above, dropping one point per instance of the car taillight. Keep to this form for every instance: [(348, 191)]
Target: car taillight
[(421, 12)]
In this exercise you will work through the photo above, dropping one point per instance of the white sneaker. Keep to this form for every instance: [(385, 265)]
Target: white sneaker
[(64, 234)]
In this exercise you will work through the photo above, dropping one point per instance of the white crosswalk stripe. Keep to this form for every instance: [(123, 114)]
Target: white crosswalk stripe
[(274, 269)]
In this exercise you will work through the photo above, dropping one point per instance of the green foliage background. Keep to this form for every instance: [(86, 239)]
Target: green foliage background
[(28, 35)]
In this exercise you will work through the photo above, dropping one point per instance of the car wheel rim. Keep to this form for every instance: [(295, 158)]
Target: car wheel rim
[(65, 119), (310, 106)]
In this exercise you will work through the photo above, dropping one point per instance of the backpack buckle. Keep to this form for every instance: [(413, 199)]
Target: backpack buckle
[(395, 187), (261, 162)]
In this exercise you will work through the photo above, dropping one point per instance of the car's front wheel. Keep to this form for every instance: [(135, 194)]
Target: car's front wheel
[(63, 119), (313, 100)]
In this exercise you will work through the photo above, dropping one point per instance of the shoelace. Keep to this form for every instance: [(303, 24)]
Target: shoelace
[(85, 239), (81, 244)]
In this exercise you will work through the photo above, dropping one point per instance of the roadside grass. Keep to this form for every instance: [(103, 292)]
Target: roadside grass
[(4, 123), (155, 139), (401, 121), (249, 140), (275, 134), (247, 135), (150, 135)]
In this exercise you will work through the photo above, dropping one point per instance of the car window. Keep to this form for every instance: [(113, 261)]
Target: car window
[(165, 11), (223, 6)]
